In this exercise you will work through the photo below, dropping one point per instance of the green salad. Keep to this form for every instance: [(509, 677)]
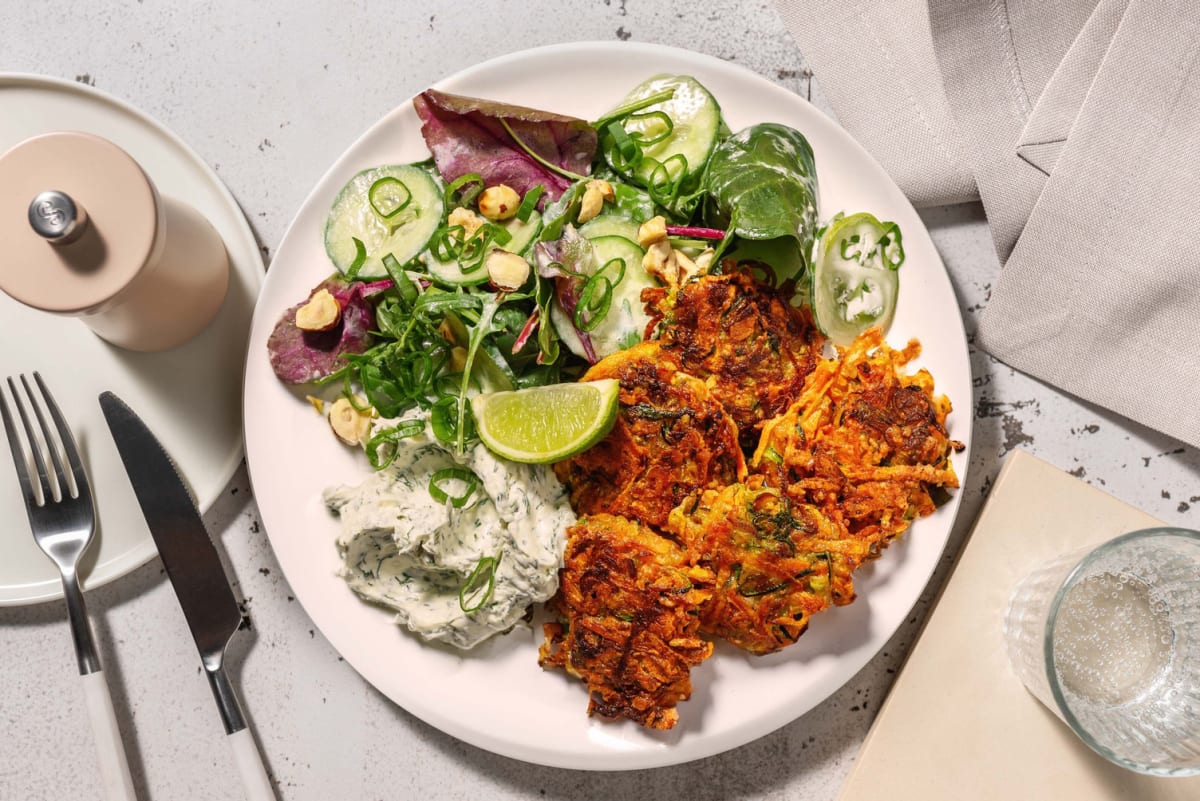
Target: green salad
[(516, 255)]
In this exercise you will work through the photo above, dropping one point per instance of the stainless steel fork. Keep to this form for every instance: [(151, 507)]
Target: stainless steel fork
[(62, 516)]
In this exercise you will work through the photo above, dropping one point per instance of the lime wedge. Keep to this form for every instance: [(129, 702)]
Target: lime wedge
[(546, 424)]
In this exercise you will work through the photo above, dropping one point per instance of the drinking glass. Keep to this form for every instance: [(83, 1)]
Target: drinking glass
[(1109, 639)]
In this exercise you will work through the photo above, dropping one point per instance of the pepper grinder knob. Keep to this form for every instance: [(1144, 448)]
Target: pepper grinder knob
[(56, 217)]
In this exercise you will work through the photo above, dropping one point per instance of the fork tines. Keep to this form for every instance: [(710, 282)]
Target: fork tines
[(49, 487)]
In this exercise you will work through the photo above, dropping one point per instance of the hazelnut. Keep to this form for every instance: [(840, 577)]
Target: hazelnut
[(604, 188), (651, 231), (508, 271), (469, 220), (705, 260), (349, 424), (499, 202), (320, 313), (661, 262)]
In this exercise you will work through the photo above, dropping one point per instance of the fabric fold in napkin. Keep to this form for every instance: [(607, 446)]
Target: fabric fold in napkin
[(1101, 295), (996, 58)]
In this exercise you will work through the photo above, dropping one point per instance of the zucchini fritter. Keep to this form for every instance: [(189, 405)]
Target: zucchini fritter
[(628, 601), (670, 439), (864, 442), (743, 338), (777, 562)]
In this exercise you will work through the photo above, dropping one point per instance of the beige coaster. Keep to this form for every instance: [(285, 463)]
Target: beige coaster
[(958, 723)]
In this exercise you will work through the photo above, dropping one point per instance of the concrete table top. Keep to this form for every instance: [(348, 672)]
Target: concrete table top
[(270, 93)]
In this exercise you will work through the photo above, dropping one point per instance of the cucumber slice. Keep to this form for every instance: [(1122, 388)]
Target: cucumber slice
[(855, 278), (523, 234), (625, 322), (610, 225), (356, 217), (697, 125)]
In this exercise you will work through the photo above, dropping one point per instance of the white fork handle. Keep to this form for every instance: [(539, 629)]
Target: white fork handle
[(114, 767), (250, 766)]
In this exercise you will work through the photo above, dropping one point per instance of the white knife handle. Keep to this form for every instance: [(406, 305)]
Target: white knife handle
[(250, 766), (114, 767)]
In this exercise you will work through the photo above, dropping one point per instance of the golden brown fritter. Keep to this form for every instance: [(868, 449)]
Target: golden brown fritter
[(777, 562), (628, 599), (671, 438), (865, 441), (742, 337)]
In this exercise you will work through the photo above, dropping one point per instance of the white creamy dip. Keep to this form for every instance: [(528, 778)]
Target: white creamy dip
[(405, 550)]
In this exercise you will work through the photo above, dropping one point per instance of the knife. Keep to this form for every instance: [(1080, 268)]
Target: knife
[(195, 571)]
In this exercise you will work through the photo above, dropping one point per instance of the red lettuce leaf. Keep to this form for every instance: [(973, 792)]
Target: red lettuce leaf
[(298, 357), (465, 135)]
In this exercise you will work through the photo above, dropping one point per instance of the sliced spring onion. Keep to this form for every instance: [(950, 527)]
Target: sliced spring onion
[(633, 106), (406, 288), (388, 197), (483, 577), (360, 258), (595, 296), (446, 476), (626, 148), (381, 447), (470, 185), (666, 127), (529, 202)]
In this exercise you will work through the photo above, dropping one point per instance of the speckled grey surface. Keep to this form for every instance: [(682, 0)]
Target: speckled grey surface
[(270, 93)]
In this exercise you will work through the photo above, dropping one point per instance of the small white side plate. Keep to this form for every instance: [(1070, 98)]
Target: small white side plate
[(188, 395)]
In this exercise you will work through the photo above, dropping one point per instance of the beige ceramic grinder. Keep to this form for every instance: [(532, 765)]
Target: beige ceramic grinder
[(83, 232)]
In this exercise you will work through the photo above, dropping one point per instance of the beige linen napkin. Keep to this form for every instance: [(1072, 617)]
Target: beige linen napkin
[(996, 58), (1101, 295), (876, 64)]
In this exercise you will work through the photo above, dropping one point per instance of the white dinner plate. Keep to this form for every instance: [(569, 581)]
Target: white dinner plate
[(497, 697), (189, 395)]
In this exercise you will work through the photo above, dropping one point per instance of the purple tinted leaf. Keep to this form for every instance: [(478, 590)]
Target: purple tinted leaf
[(465, 135), (299, 357), (563, 260)]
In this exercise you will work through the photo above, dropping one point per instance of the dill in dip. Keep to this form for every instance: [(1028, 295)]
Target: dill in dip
[(459, 549)]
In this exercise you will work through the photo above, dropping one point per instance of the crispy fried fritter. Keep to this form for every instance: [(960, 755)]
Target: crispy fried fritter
[(777, 562), (742, 337), (628, 601), (671, 438), (865, 441)]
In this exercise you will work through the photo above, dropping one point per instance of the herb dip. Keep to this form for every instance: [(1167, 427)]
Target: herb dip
[(452, 575)]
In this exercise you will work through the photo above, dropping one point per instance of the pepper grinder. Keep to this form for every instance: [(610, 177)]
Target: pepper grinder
[(85, 233)]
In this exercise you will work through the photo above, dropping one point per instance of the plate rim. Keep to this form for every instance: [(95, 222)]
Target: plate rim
[(634, 760)]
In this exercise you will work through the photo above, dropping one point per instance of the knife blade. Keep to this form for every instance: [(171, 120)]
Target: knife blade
[(194, 569)]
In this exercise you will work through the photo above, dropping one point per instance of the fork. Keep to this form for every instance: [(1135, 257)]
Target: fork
[(62, 516)]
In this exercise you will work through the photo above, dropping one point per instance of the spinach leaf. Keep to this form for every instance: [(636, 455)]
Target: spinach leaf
[(762, 184)]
